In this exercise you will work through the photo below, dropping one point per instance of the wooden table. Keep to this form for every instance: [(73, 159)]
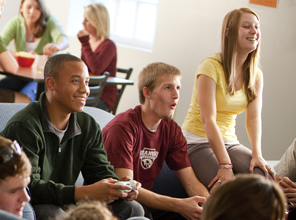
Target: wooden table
[(36, 74)]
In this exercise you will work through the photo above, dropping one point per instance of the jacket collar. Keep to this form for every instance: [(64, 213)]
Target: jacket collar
[(73, 127)]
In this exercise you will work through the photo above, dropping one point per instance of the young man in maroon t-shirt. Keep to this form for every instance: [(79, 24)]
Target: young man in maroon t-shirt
[(139, 140)]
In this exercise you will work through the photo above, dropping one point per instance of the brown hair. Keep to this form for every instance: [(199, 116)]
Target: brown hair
[(40, 24), (149, 75), (228, 54), (247, 196), (19, 165)]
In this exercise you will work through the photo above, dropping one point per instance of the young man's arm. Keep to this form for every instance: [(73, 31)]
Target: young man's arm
[(191, 184), (189, 207)]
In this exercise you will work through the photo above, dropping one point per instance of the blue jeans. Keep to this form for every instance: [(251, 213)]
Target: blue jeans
[(27, 88), (30, 89)]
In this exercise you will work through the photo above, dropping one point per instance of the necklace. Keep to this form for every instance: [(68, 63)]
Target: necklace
[(31, 34)]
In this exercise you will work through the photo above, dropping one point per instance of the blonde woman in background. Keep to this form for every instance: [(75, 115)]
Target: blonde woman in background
[(225, 85), (98, 51)]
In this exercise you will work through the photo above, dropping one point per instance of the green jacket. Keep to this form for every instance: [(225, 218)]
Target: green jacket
[(15, 30), (56, 165)]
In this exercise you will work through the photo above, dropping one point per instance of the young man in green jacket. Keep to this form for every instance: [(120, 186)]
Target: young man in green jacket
[(61, 141)]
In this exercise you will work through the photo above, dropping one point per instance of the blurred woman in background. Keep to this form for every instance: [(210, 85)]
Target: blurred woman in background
[(35, 31), (98, 51)]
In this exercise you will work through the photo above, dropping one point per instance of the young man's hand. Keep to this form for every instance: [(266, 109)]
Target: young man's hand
[(103, 190), (134, 193), (190, 208)]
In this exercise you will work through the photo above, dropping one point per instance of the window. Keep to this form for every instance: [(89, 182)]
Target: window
[(133, 22)]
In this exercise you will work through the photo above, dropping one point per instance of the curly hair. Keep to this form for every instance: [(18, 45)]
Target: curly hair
[(89, 210)]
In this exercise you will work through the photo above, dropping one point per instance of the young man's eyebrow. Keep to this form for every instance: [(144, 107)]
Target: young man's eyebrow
[(16, 188), (75, 76)]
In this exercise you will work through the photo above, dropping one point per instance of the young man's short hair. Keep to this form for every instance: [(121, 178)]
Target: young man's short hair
[(56, 63), (149, 75)]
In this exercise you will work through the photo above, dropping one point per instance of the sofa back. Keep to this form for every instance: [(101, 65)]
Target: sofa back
[(7, 110)]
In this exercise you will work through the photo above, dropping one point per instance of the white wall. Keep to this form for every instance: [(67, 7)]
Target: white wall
[(188, 31)]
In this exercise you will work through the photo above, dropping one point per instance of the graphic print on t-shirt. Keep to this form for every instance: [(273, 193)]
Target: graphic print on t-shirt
[(147, 157)]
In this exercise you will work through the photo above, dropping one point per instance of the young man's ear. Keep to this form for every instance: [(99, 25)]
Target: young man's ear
[(146, 92), (50, 82)]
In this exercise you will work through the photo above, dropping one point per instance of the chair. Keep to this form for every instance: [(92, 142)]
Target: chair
[(121, 88), (96, 87), (7, 110)]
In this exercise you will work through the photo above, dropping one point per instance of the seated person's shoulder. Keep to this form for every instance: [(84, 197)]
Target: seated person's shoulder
[(130, 118), (8, 216), (109, 44)]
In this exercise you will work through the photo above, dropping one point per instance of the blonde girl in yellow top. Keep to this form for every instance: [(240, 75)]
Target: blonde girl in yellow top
[(225, 85)]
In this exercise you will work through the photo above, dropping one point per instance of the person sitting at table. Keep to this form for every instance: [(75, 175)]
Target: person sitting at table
[(9, 64), (35, 31), (15, 171), (98, 51)]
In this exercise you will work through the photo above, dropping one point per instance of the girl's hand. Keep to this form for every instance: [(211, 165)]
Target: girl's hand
[(222, 176), (33, 52), (262, 164), (50, 49), (82, 33)]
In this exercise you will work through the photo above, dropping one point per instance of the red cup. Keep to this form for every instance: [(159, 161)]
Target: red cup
[(25, 61)]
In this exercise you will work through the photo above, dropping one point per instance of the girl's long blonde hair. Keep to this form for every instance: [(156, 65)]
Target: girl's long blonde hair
[(229, 54)]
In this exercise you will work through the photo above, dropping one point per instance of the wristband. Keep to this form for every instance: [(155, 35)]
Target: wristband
[(225, 163), (225, 166)]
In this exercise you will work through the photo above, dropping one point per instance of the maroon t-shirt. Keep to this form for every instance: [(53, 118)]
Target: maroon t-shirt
[(129, 144), (103, 59)]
